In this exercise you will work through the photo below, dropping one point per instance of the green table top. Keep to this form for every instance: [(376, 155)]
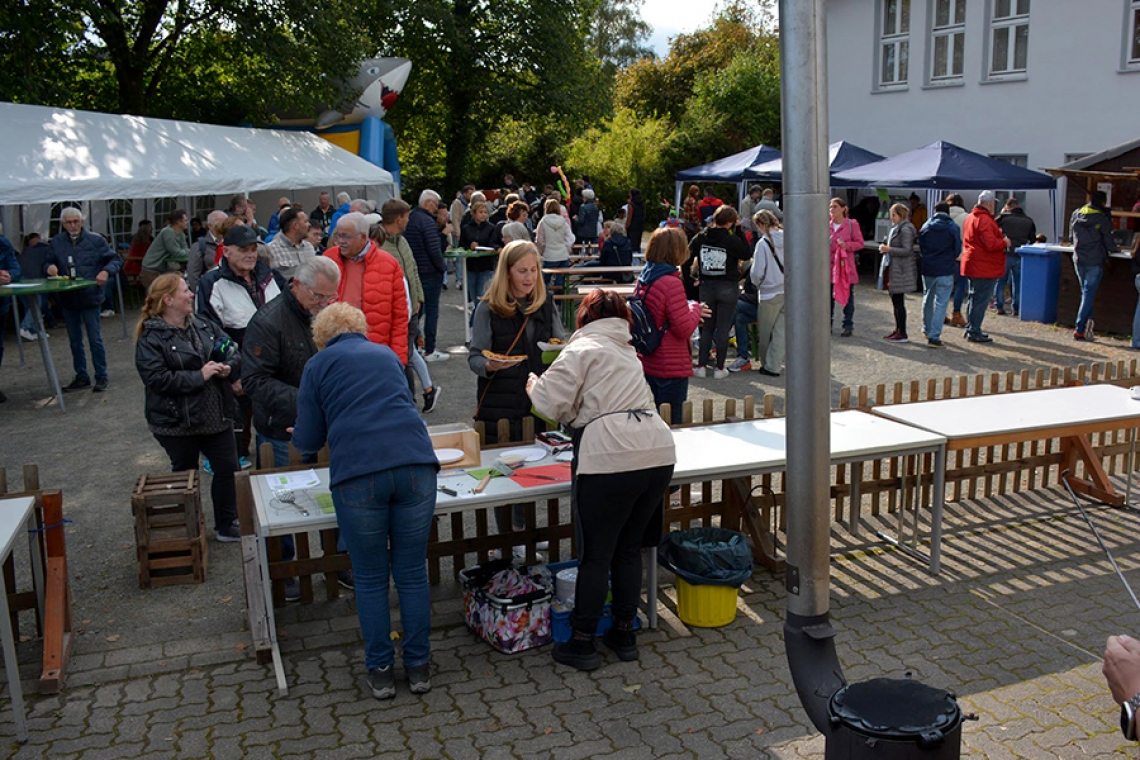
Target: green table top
[(35, 287), (463, 253)]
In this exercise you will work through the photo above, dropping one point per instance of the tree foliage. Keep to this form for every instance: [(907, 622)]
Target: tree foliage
[(621, 153)]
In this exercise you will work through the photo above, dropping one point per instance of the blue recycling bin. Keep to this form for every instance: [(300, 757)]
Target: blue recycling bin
[(1040, 281)]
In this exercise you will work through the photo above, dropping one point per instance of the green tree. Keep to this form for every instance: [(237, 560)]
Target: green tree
[(618, 35), (623, 152)]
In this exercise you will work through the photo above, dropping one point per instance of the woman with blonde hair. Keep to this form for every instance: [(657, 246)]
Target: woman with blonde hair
[(184, 360), (382, 477), (767, 274), (510, 320), (901, 267)]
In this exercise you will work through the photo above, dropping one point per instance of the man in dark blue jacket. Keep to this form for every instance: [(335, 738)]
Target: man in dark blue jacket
[(424, 239), (92, 259), (9, 273), (940, 242)]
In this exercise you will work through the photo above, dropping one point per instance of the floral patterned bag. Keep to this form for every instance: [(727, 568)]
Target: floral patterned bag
[(508, 608)]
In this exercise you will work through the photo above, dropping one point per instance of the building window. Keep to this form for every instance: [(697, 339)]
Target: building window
[(202, 205), (1009, 38), (1016, 160), (947, 40), (1132, 42), (55, 225), (162, 209), (120, 218), (894, 44)]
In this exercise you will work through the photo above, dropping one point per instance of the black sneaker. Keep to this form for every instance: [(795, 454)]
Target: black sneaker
[(983, 338), (935, 342), (292, 590), (577, 653), (78, 384), (382, 682), (621, 643), (346, 579), (430, 399), (847, 332), (768, 372), (3, 398), (228, 534), (419, 678), (101, 384)]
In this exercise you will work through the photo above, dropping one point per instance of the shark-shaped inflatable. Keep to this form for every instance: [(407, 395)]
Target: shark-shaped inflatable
[(379, 82)]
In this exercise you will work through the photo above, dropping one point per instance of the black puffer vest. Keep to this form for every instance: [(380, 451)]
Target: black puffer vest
[(503, 394)]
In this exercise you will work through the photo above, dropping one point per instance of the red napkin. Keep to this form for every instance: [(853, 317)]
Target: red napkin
[(561, 470)]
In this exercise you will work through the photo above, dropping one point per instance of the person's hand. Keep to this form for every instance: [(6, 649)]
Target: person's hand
[(883, 248), (210, 369), (530, 381), (842, 244), (1008, 242), (5, 277), (706, 312), (224, 370), (102, 277), (494, 365), (52, 270), (1122, 667), (237, 388)]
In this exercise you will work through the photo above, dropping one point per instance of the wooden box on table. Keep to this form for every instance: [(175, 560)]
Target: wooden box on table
[(170, 531)]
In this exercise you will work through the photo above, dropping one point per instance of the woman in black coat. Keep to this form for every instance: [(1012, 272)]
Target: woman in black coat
[(635, 222), (184, 361)]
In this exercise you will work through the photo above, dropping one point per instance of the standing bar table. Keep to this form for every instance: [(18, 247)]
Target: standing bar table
[(48, 287)]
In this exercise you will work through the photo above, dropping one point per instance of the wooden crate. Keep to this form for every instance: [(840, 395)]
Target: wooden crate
[(170, 530)]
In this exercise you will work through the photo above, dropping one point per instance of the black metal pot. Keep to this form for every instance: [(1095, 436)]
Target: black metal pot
[(893, 719)]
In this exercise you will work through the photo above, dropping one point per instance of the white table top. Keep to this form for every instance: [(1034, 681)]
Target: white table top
[(715, 451), (761, 445), (13, 516), (622, 288), (1007, 413)]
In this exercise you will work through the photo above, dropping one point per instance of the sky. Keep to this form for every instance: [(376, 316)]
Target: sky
[(672, 17)]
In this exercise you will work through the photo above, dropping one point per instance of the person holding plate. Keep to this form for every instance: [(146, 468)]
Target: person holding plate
[(510, 320)]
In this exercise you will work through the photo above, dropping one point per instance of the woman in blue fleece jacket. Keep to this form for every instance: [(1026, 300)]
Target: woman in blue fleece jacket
[(382, 475)]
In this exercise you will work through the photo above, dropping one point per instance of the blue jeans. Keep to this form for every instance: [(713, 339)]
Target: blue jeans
[(385, 518), (981, 291), (77, 320), (745, 315), (1136, 317), (961, 285), (1013, 277), (477, 283), (26, 321), (433, 287), (555, 280), (672, 391), (1089, 278), (934, 302)]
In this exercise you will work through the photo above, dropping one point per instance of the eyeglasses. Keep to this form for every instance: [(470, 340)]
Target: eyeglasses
[(321, 297), (346, 235)]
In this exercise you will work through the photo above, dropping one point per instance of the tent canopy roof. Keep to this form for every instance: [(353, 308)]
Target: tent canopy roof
[(730, 168), (56, 154), (841, 156), (944, 165)]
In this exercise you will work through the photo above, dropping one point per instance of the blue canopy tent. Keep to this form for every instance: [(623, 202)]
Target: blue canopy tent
[(841, 156), (945, 166), (727, 169)]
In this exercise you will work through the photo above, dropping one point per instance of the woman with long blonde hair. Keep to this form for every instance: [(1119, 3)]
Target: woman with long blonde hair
[(185, 360)]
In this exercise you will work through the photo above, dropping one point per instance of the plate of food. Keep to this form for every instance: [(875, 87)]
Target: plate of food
[(554, 344), (447, 456), (56, 277), (526, 454), (505, 358)]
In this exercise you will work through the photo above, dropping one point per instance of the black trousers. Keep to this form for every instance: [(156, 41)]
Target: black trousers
[(220, 449), (612, 513), (898, 300)]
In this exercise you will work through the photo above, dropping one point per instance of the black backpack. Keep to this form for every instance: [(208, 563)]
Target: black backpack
[(644, 331)]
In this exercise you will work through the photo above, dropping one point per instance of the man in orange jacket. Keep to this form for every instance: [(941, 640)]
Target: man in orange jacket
[(983, 262)]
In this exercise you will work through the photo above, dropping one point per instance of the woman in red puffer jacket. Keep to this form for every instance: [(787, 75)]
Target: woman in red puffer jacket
[(668, 369)]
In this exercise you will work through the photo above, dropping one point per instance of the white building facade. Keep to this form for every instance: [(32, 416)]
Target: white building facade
[(1035, 82)]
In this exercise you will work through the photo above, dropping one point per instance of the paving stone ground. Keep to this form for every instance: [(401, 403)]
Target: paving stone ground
[(1015, 624)]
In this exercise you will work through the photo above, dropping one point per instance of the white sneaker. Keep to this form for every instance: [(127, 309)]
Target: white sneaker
[(437, 356), (28, 335), (107, 313), (719, 374), (701, 372)]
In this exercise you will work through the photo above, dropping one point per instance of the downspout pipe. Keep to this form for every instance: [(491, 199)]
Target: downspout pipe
[(809, 639)]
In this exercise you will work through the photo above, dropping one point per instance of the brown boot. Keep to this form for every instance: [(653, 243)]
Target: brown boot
[(958, 320)]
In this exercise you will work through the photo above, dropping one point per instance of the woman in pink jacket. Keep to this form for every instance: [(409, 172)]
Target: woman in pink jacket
[(668, 369), (846, 241)]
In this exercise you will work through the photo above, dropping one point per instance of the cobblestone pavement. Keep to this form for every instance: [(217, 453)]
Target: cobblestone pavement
[(1015, 625)]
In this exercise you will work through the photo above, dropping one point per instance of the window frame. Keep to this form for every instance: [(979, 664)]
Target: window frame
[(1017, 159), (956, 29), (55, 222), (120, 235), (899, 40), (1130, 48), (1008, 25)]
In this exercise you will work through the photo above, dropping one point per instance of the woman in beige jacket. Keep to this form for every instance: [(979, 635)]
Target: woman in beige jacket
[(623, 462)]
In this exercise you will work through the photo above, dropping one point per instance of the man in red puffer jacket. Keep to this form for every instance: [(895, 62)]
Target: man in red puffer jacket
[(983, 262)]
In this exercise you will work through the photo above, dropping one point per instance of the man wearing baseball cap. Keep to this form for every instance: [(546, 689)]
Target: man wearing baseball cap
[(983, 262), (230, 294)]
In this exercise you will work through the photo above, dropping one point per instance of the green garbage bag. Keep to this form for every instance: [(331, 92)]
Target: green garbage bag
[(707, 556)]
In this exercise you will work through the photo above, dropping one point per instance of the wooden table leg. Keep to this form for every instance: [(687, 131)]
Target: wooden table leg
[(756, 521), (1076, 448), (57, 598)]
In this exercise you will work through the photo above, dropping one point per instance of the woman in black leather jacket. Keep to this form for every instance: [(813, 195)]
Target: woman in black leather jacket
[(184, 361)]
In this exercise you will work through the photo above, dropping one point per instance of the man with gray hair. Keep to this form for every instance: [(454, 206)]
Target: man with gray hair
[(427, 245), (204, 251), (89, 256), (344, 205), (768, 202), (278, 343)]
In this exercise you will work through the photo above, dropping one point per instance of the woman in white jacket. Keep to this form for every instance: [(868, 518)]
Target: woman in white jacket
[(767, 275), (554, 237), (623, 462)]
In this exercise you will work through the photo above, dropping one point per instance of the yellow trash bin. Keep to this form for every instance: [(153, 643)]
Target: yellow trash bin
[(705, 606)]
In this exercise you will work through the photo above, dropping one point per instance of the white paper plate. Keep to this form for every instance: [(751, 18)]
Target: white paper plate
[(447, 456), (551, 346), (528, 454)]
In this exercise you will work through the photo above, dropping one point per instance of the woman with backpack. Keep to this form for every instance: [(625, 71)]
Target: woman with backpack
[(623, 462), (668, 367), (767, 274)]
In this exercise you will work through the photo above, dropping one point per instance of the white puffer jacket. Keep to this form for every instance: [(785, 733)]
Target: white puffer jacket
[(554, 237)]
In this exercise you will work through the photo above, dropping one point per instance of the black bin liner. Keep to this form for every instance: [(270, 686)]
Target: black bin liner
[(707, 556)]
